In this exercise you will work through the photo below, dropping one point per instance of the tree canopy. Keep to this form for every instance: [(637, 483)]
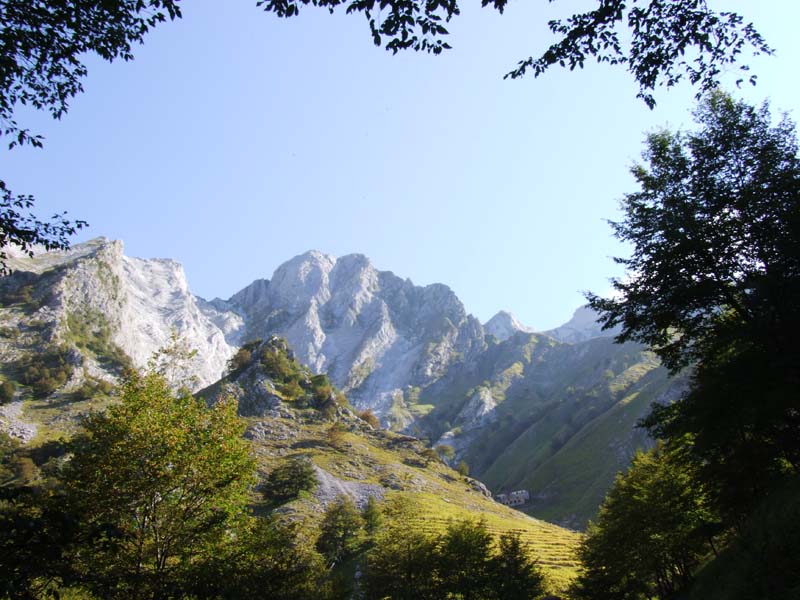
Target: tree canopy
[(713, 287), (649, 534), (159, 482), (667, 41), (43, 45), (714, 284)]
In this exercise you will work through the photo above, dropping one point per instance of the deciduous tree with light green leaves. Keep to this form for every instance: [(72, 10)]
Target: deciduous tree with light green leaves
[(650, 534), (159, 482)]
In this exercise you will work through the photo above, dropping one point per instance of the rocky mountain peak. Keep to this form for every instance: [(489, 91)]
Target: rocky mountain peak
[(581, 327), (504, 325)]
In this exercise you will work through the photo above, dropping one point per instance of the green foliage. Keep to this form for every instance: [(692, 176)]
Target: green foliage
[(239, 361), (369, 417), (159, 482), (668, 41), (43, 66), (651, 532), (445, 452), (92, 388), (47, 371), (336, 436), (463, 562), (90, 332), (278, 361), (763, 561), (515, 575), (175, 361), (341, 530), (268, 560), (373, 518), (400, 565), (288, 479), (463, 468), (7, 391), (716, 287), (34, 530), (8, 447)]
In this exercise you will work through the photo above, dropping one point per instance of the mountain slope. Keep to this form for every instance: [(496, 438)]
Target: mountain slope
[(93, 290), (523, 410), (371, 331), (315, 422)]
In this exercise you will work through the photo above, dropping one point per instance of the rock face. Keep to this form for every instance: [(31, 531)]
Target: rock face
[(503, 325), (371, 331), (581, 327), (140, 303), (553, 413)]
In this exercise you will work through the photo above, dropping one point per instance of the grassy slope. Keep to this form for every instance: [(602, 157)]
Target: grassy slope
[(361, 455), (564, 427), (439, 494)]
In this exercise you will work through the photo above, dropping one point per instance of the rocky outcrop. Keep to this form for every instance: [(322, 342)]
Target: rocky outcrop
[(581, 327), (138, 303), (371, 331), (503, 325)]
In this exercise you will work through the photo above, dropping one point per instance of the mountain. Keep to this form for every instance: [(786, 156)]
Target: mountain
[(581, 327), (94, 302), (551, 413), (503, 325), (371, 331)]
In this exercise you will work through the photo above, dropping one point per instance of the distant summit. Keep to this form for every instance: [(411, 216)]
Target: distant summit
[(581, 327), (504, 325)]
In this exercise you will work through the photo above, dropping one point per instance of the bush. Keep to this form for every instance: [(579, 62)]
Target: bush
[(239, 362), (369, 417), (91, 388), (48, 371), (7, 391), (288, 479)]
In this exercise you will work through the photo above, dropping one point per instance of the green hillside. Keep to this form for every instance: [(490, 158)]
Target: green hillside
[(563, 423)]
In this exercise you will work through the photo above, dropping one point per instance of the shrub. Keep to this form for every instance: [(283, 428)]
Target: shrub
[(369, 417), (239, 362), (288, 479), (7, 391), (48, 371)]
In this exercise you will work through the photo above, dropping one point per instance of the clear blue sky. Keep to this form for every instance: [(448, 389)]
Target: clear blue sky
[(236, 140)]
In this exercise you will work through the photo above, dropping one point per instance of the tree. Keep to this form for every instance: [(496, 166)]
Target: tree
[(159, 483), (464, 558), (373, 519), (43, 45), (401, 565), (670, 40), (285, 482), (714, 284), (268, 560), (341, 530), (649, 534), (446, 452), (515, 575)]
